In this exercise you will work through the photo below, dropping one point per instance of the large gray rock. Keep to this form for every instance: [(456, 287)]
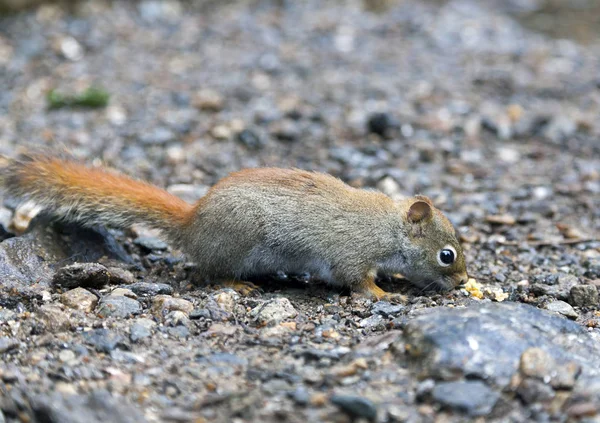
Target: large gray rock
[(486, 342), (29, 262)]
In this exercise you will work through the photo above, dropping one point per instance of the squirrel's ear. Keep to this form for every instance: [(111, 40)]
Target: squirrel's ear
[(419, 210)]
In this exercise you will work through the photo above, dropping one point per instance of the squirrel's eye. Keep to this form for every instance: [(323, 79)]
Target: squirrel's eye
[(446, 256)]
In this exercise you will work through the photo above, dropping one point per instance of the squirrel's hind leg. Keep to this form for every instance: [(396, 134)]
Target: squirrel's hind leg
[(244, 288), (370, 288)]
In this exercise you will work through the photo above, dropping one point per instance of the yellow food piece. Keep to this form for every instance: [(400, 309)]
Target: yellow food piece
[(474, 288)]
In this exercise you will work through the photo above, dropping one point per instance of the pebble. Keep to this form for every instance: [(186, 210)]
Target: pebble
[(150, 243), (140, 329), (584, 296), (386, 309), (300, 396), (176, 318), (103, 340), (23, 216), (151, 289), (356, 407), (55, 319), (472, 397), (208, 100), (501, 219), (563, 308), (88, 275), (163, 304), (79, 299), (250, 139), (536, 363), (120, 276), (158, 136), (286, 130), (118, 306), (8, 344), (380, 124), (227, 299), (532, 391), (66, 356), (273, 311)]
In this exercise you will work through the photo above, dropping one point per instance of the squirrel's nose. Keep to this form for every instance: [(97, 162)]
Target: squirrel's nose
[(461, 279)]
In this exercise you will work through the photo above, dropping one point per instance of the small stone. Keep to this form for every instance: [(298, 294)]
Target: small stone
[(227, 299), (565, 376), (500, 277), (221, 132), (158, 136), (118, 306), (70, 48), (501, 219), (139, 331), (123, 292), (66, 356), (373, 322), (250, 139), (273, 311), (536, 363), (532, 391), (102, 339), (472, 397), (208, 100), (88, 275), (301, 396), (179, 332), (23, 216), (380, 124), (120, 276), (286, 130), (8, 344), (563, 308), (584, 296), (356, 407), (386, 309), (151, 289), (176, 318), (79, 299), (150, 243), (55, 319), (163, 304)]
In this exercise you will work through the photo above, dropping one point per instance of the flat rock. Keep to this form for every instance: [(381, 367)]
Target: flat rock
[(150, 289), (487, 341), (471, 397), (97, 407), (118, 306), (28, 262), (563, 308)]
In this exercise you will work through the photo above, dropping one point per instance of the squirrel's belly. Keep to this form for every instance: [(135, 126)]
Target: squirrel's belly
[(265, 261)]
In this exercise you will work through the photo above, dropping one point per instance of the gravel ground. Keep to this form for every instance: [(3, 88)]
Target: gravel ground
[(476, 104)]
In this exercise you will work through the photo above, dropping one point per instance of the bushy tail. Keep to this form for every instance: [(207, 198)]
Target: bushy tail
[(75, 192)]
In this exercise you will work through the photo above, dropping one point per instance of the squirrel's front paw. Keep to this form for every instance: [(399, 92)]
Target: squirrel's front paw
[(394, 298)]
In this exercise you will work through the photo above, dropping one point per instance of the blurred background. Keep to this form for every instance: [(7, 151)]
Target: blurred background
[(489, 107)]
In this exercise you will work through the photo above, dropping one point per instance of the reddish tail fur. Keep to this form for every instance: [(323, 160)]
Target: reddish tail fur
[(75, 192)]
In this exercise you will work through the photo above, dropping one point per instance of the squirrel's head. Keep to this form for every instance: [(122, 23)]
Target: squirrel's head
[(433, 258)]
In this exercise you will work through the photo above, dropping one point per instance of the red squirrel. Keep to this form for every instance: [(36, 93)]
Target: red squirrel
[(261, 221)]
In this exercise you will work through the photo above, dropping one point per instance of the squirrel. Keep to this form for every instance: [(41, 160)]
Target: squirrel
[(261, 221)]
